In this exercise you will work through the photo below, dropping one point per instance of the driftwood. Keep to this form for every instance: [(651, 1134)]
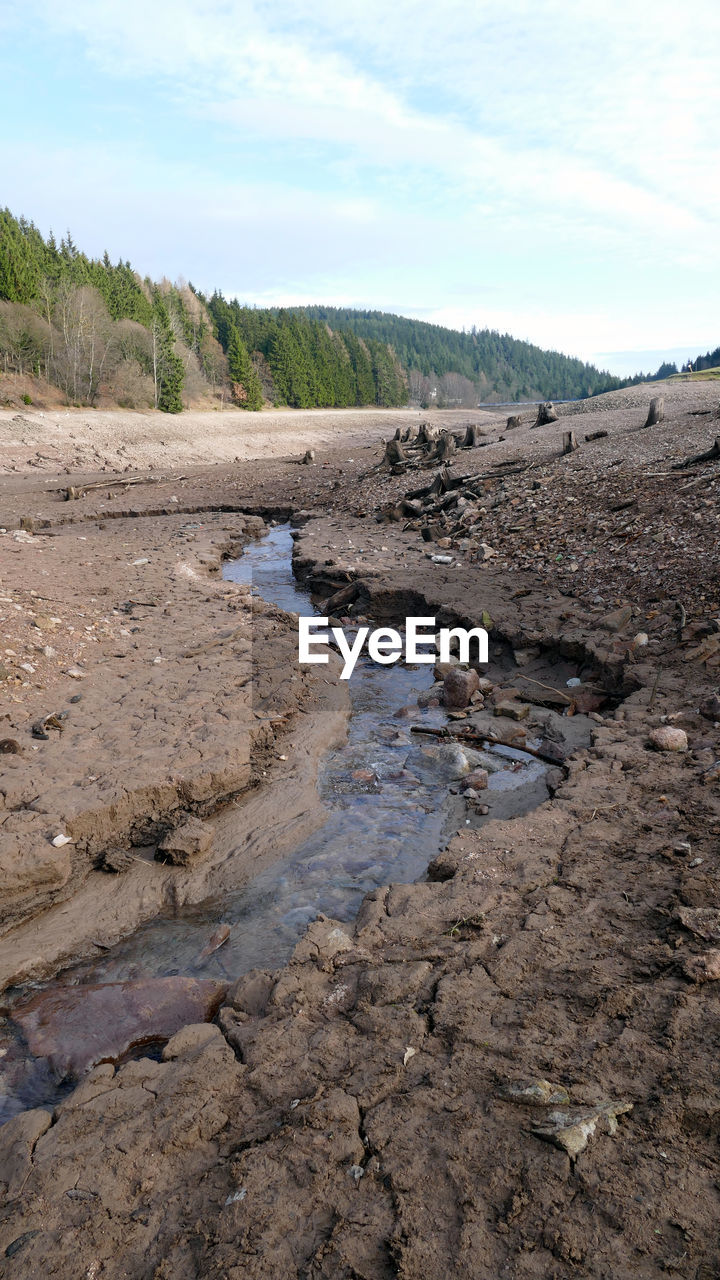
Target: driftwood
[(595, 435), (570, 443), (472, 735), (546, 413), (709, 456), (656, 412), (73, 492)]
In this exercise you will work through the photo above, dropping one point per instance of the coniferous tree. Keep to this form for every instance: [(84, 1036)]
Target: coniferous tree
[(247, 392)]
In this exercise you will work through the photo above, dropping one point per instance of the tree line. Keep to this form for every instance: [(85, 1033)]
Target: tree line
[(90, 327)]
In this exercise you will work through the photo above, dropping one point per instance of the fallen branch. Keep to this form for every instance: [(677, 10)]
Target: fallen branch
[(472, 735), (709, 456)]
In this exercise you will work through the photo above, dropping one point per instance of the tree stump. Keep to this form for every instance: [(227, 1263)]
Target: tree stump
[(570, 443), (546, 413), (656, 412), (309, 457), (471, 437), (446, 447), (394, 453), (513, 422)]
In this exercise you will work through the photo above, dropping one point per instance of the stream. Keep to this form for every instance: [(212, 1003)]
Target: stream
[(383, 825)]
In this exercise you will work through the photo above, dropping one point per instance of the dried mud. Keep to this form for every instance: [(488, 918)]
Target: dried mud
[(506, 1070)]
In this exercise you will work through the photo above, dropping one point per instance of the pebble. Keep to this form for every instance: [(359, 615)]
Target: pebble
[(667, 738)]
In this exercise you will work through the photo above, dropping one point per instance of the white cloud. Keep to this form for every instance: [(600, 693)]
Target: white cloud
[(548, 167)]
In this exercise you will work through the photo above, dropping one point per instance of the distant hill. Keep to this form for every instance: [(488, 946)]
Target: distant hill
[(467, 367)]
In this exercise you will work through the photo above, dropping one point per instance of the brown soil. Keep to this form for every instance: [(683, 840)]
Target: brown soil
[(507, 1070)]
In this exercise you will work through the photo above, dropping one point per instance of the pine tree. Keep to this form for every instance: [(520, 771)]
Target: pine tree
[(247, 392), (168, 369)]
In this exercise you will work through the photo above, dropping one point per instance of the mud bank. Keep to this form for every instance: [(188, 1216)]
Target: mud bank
[(164, 715)]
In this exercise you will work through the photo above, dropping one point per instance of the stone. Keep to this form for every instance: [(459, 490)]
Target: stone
[(703, 968), (572, 1130), (437, 764), (186, 844), (703, 922), (459, 687), (513, 710), (540, 1093), (710, 708), (477, 780), (618, 619), (668, 738), (75, 1028)]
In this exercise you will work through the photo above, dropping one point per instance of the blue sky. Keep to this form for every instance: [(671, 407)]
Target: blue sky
[(547, 168)]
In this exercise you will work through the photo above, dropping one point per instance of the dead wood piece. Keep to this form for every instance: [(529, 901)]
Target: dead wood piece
[(471, 735), (709, 456), (595, 435)]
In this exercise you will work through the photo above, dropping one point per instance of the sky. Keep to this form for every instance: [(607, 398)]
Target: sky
[(546, 168)]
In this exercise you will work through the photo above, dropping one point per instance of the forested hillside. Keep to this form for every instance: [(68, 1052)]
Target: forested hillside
[(306, 362), (93, 329), (481, 364)]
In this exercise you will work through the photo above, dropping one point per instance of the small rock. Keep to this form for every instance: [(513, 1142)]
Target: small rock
[(459, 686), (75, 673), (572, 1130), (477, 780), (618, 619), (541, 1093), (710, 708), (703, 922), (667, 738), (10, 747), (513, 710), (703, 968)]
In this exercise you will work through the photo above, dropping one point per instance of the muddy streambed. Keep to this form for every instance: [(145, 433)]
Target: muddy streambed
[(388, 814)]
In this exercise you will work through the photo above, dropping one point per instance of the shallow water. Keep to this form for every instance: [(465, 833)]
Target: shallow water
[(382, 826)]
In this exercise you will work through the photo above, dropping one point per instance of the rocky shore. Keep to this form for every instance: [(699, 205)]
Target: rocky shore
[(506, 1069)]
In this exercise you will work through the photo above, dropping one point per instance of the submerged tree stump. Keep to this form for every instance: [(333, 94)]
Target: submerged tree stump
[(570, 443), (513, 422), (394, 453)]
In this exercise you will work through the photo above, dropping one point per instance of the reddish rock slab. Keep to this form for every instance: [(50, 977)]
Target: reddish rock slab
[(77, 1027)]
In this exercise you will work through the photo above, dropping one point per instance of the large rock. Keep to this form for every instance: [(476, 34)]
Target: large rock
[(459, 687), (76, 1027)]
